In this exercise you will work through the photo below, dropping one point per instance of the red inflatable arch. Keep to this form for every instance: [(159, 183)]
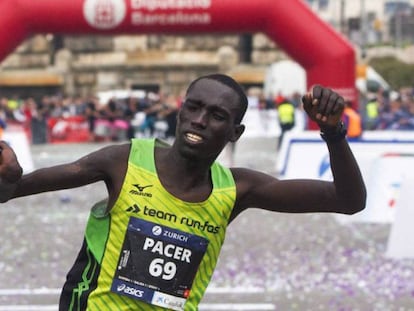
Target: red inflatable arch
[(326, 56)]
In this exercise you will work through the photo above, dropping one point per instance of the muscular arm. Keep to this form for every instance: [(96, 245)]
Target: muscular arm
[(346, 194), (107, 164)]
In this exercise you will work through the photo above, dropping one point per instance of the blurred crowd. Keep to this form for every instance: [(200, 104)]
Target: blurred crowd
[(382, 110), (54, 118), (389, 110)]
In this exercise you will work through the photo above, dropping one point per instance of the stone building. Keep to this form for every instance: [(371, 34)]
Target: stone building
[(84, 65)]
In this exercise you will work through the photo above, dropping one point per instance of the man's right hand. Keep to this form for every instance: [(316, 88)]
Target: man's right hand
[(10, 171)]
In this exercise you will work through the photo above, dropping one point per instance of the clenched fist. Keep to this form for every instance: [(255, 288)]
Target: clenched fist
[(10, 169), (324, 106)]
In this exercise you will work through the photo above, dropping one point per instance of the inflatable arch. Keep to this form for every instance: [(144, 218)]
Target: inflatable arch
[(326, 56)]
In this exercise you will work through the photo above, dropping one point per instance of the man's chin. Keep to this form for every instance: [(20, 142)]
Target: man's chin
[(190, 153)]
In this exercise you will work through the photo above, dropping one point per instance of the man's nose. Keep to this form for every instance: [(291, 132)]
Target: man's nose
[(201, 119)]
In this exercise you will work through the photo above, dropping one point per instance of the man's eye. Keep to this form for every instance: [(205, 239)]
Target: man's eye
[(191, 107), (219, 116)]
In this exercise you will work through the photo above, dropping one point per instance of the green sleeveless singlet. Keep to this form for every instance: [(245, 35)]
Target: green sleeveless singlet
[(153, 251)]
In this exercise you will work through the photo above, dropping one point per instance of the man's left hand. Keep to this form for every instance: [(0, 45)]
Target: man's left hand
[(324, 106)]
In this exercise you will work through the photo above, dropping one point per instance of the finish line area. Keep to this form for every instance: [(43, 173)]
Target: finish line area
[(269, 261)]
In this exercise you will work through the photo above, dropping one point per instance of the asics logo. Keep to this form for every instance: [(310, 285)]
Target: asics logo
[(122, 288)]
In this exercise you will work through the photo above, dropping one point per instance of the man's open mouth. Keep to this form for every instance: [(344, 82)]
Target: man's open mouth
[(193, 137)]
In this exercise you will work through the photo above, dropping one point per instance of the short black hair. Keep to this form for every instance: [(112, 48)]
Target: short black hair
[(231, 83)]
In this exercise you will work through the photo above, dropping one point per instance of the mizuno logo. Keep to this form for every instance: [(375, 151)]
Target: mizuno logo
[(134, 209), (141, 188)]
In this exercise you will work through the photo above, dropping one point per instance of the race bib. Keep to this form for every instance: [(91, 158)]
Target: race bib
[(158, 264)]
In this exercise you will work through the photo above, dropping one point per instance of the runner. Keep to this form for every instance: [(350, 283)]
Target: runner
[(154, 242)]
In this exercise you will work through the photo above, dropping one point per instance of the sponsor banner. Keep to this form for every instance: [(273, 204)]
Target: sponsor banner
[(109, 14), (67, 130), (399, 244), (170, 12), (385, 159)]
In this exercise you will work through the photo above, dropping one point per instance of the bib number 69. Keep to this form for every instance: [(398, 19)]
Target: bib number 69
[(160, 268)]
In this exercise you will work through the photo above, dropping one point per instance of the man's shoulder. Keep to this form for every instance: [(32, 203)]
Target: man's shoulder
[(250, 178), (115, 150), (243, 175)]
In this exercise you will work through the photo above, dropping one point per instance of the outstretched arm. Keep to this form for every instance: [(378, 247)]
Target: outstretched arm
[(346, 194), (107, 164), (10, 171)]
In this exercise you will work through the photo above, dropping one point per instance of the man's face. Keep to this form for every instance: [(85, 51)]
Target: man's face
[(206, 121)]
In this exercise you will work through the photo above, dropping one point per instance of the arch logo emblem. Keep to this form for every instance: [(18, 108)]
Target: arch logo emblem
[(104, 14)]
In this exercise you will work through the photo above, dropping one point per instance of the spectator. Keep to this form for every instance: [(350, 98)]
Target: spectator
[(91, 115), (3, 119), (169, 114), (404, 117), (390, 117), (286, 116), (371, 113), (151, 112), (110, 124), (129, 115), (38, 120), (352, 120)]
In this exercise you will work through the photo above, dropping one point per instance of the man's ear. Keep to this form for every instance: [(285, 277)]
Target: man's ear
[(237, 132)]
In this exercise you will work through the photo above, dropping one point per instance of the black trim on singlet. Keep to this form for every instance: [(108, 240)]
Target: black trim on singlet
[(81, 280)]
